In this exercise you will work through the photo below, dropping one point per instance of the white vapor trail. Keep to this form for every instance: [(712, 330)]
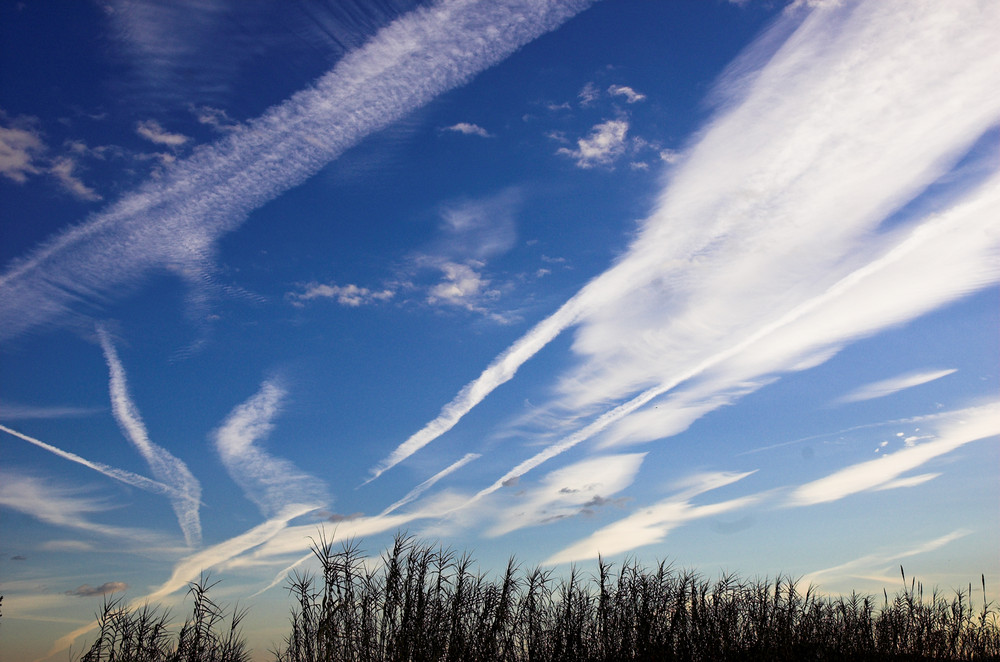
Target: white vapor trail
[(427, 484), (121, 475), (787, 191), (172, 223), (167, 468), (274, 484)]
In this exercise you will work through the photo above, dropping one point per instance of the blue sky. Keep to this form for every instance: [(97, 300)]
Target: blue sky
[(702, 281)]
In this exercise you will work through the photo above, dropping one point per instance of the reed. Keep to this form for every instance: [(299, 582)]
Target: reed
[(423, 603)]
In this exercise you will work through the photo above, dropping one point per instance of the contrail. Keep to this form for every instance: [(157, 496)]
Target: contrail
[(164, 466), (121, 475), (427, 484)]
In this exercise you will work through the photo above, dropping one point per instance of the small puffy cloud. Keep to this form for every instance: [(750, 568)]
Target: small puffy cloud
[(589, 94), (604, 144), (469, 129), (153, 132), (88, 591), (20, 148), (631, 96), (347, 295), (462, 285)]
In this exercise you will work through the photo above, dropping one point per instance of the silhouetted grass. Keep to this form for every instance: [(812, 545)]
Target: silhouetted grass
[(423, 603)]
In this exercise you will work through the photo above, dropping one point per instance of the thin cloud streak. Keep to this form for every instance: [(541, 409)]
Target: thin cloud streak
[(167, 468), (121, 475), (870, 562), (688, 288), (172, 223), (887, 387), (427, 484), (274, 484)]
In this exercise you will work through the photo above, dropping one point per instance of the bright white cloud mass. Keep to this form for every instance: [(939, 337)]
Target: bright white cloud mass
[(533, 285)]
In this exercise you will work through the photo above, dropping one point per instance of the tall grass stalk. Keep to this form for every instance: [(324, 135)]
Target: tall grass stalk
[(429, 604)]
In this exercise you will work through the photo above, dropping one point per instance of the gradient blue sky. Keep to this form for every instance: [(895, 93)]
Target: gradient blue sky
[(702, 281)]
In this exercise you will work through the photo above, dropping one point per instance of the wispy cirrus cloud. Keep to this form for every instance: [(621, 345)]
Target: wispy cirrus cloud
[(877, 567), (881, 389), (274, 484), (652, 524), (569, 491), (168, 469), (769, 247), (885, 472), (430, 482), (174, 221)]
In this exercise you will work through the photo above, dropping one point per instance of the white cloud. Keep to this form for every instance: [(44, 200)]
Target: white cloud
[(216, 118), (153, 132), (58, 505), (588, 94), (64, 170), (173, 221), (168, 469), (462, 286), (603, 146), (21, 147), (469, 129), (631, 96), (569, 491), (348, 295), (967, 426), (764, 253), (892, 385), (653, 523), (274, 484)]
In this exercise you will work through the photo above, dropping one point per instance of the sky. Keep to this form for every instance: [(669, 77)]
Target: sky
[(701, 281)]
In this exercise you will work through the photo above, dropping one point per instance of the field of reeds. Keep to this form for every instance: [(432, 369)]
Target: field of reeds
[(424, 603)]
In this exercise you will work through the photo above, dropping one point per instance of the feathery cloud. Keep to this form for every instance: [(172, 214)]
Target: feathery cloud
[(173, 222), (167, 468), (274, 484)]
